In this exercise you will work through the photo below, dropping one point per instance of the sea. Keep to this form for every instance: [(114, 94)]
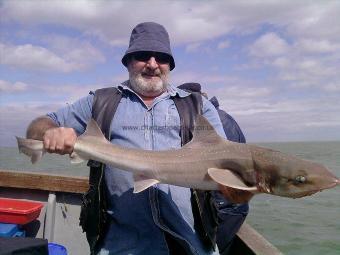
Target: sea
[(304, 226)]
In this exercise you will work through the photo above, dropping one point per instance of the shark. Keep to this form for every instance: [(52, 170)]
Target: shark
[(205, 163)]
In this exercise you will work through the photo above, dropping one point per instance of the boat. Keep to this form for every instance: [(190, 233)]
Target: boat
[(58, 221)]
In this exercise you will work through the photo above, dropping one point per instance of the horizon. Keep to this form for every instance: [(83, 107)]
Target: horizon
[(272, 65), (254, 143)]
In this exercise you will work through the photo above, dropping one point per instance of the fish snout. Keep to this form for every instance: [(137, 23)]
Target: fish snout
[(322, 181), (332, 182)]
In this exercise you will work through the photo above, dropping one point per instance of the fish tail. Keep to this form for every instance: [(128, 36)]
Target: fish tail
[(32, 148)]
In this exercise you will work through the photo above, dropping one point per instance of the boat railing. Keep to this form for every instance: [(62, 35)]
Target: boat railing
[(62, 197)]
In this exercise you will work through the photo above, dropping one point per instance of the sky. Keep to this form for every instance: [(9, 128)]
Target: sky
[(273, 65)]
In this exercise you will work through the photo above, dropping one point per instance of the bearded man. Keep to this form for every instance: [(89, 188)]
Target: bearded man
[(163, 219)]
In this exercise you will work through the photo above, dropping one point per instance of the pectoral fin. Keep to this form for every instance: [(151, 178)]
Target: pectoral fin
[(76, 159), (228, 178), (142, 183)]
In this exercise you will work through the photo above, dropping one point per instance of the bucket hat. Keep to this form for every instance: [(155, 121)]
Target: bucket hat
[(149, 36)]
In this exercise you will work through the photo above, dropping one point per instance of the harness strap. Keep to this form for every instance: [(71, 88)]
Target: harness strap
[(203, 208), (93, 217), (188, 108), (105, 104)]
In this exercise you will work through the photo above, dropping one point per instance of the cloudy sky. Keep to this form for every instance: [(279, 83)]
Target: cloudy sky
[(274, 65)]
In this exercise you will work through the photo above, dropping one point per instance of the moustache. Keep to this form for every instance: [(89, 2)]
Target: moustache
[(151, 72)]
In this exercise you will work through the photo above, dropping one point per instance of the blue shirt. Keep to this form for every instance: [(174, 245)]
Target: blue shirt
[(138, 220)]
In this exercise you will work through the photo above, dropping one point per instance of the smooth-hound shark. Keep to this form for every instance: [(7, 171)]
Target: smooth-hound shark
[(206, 162)]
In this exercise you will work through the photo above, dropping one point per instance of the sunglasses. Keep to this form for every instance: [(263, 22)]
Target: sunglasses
[(144, 56)]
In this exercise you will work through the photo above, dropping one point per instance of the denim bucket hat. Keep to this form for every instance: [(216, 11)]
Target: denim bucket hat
[(149, 36)]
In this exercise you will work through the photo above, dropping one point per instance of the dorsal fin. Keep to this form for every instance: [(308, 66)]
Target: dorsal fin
[(204, 133), (92, 129)]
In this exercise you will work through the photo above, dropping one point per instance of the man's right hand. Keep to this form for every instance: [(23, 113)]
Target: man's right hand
[(59, 140)]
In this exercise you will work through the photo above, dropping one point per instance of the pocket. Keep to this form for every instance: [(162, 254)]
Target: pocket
[(173, 126)]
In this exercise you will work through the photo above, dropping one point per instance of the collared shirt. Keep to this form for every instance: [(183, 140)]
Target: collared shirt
[(139, 220)]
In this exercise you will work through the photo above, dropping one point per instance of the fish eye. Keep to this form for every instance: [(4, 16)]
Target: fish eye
[(300, 179)]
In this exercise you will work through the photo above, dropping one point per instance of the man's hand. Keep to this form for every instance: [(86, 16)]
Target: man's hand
[(236, 196), (59, 140)]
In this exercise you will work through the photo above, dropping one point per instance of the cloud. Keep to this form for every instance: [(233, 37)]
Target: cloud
[(332, 87), (307, 72), (33, 58), (304, 63), (193, 47), (244, 92), (314, 46), (285, 119), (314, 20), (67, 93), (66, 58), (74, 50), (8, 87), (206, 79), (112, 21), (50, 92), (18, 116), (281, 81), (223, 45), (269, 45)]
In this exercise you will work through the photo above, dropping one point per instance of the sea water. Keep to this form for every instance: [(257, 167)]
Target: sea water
[(309, 225)]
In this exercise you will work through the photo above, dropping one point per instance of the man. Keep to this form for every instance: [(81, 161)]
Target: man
[(159, 220)]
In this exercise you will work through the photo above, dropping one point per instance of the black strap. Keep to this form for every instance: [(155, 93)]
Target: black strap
[(188, 108), (105, 104), (204, 211), (104, 107), (93, 216)]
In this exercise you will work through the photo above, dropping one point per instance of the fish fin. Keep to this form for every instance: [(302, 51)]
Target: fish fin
[(31, 148), (36, 156), (75, 158), (204, 133), (227, 178), (142, 183), (92, 129)]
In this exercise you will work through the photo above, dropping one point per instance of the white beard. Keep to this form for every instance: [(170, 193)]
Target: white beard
[(146, 87)]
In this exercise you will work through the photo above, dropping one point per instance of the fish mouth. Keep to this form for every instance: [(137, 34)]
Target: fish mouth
[(306, 193), (334, 183)]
